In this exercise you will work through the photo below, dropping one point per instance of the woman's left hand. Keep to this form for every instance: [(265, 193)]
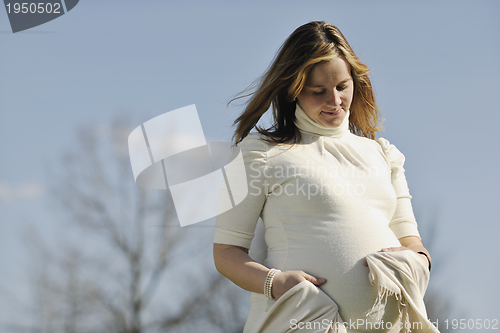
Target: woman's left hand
[(392, 249), (409, 243)]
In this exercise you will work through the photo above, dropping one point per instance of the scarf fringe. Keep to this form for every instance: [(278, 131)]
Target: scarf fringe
[(378, 309)]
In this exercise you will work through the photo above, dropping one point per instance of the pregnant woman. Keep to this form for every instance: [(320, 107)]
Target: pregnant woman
[(328, 193)]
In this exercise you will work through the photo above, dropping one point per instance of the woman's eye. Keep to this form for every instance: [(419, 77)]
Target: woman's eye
[(341, 88), (319, 92)]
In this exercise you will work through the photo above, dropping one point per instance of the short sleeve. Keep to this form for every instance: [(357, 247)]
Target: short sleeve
[(236, 226), (403, 222)]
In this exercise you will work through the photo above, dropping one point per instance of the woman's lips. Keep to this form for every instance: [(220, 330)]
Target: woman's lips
[(332, 113)]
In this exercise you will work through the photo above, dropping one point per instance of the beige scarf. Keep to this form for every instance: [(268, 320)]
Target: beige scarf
[(306, 308)]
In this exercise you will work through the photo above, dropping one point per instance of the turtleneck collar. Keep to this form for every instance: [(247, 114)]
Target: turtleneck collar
[(305, 124)]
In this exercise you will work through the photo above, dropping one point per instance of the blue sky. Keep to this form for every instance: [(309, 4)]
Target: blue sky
[(434, 68)]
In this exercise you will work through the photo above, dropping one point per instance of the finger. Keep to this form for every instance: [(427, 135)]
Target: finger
[(392, 249), (314, 280)]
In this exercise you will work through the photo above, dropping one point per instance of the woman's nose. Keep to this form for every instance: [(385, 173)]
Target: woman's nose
[(334, 98)]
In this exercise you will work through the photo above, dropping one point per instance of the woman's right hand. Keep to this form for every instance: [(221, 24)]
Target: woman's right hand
[(284, 281)]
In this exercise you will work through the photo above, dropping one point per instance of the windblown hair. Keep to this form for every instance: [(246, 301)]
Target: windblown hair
[(279, 87)]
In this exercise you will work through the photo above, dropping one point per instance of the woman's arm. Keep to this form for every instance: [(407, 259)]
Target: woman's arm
[(234, 263)]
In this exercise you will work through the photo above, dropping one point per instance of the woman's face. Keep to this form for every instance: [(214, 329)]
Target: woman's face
[(328, 92)]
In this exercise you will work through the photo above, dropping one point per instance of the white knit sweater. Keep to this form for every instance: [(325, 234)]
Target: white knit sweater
[(326, 203)]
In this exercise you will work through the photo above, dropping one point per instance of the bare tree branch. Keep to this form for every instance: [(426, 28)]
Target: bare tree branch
[(108, 276)]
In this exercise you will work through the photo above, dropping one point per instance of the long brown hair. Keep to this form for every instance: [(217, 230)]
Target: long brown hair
[(279, 87)]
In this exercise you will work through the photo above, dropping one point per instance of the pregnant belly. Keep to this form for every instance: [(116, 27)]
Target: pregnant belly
[(341, 262)]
